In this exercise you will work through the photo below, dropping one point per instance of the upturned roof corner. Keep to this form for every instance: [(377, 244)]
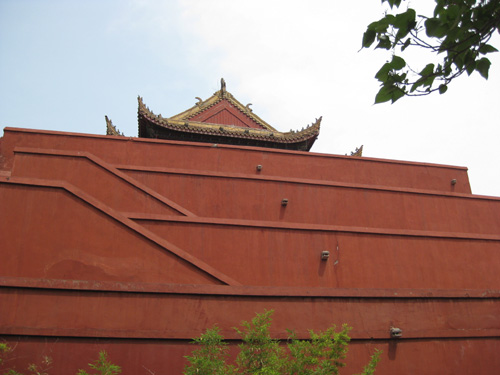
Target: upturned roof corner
[(111, 129)]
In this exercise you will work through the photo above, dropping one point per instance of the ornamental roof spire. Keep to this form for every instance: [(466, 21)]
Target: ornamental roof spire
[(222, 85)]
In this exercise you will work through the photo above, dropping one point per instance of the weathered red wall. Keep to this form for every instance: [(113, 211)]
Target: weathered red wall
[(136, 246), (49, 232)]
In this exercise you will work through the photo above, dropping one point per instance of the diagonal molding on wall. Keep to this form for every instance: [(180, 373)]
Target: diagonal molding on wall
[(110, 169), (166, 245)]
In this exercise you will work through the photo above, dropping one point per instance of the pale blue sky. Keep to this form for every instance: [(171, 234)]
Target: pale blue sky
[(65, 64)]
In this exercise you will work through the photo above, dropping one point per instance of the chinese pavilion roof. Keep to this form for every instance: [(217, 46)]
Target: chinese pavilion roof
[(223, 119)]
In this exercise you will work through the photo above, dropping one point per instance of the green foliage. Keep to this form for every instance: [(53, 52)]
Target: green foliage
[(210, 358), (371, 366), (33, 369), (12, 372), (4, 348), (42, 368), (260, 354), (456, 36), (321, 355), (102, 366)]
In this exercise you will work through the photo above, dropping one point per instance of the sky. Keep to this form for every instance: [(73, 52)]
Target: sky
[(65, 64)]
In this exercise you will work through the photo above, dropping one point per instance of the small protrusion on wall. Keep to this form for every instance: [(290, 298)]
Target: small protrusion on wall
[(396, 333)]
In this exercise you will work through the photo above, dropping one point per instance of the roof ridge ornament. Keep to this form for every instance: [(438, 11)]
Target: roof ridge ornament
[(222, 85), (358, 152), (111, 129)]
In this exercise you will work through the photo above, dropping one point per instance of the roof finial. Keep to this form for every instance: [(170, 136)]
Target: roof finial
[(110, 128), (357, 152), (222, 85)]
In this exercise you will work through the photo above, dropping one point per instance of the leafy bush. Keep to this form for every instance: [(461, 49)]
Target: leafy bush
[(260, 354), (102, 366)]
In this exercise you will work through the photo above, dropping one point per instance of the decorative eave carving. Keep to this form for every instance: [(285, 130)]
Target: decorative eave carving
[(180, 123), (358, 152), (111, 129)]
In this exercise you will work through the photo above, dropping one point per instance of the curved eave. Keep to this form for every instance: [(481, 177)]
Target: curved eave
[(147, 118), (110, 128)]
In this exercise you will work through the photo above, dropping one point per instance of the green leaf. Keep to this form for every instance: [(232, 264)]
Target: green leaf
[(393, 3), (368, 38), (431, 25), (439, 7), (398, 63), (397, 94), (417, 84), (458, 60), (447, 71), (486, 48), (382, 24), (483, 67), (383, 95), (434, 28), (400, 78), (453, 12), (429, 68), (405, 20), (429, 80), (389, 92), (383, 73), (442, 89), (384, 43), (470, 62), (470, 67), (406, 44)]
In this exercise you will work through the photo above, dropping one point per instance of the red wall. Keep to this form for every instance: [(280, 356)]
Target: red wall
[(136, 246)]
